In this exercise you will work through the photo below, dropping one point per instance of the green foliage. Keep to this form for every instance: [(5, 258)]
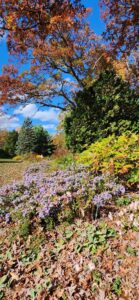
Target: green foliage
[(3, 279), (133, 178), (10, 143), (97, 277), (94, 238), (63, 162), (60, 145), (116, 287), (68, 234), (3, 154), (43, 144), (49, 222), (130, 250), (107, 107), (25, 228), (67, 215), (123, 201), (34, 140), (26, 139), (118, 155)]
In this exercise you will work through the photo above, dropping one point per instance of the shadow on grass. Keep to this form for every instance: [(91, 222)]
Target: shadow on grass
[(10, 161)]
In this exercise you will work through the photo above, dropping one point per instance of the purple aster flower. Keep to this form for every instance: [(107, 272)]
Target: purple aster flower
[(7, 217), (119, 190)]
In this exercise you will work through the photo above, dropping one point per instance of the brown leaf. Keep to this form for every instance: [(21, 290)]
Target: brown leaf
[(59, 293), (14, 276), (101, 295), (42, 295), (33, 266)]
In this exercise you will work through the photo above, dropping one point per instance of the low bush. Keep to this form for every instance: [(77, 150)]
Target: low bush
[(59, 197), (17, 158), (123, 201), (133, 179), (39, 157), (116, 155), (63, 162), (28, 156)]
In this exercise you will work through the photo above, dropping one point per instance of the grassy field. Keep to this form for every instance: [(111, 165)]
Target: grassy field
[(11, 170)]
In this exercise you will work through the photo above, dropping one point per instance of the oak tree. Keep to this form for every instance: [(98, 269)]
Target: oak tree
[(122, 24), (60, 52)]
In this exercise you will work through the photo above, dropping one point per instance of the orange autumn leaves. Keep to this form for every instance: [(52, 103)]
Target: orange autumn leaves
[(65, 47), (60, 51), (122, 19)]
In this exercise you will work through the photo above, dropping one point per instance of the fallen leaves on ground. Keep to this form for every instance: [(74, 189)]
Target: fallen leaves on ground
[(85, 260)]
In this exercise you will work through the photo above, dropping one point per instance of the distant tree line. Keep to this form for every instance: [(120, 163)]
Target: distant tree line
[(108, 106), (30, 139)]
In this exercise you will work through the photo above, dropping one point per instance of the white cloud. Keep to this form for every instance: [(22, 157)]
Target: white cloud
[(68, 79), (49, 126), (8, 122), (26, 111), (48, 115), (32, 111)]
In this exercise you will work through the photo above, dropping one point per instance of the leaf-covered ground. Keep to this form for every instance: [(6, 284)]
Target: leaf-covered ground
[(87, 259), (10, 170)]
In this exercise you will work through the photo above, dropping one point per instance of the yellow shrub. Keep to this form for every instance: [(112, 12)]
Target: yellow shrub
[(117, 155), (38, 156), (17, 158)]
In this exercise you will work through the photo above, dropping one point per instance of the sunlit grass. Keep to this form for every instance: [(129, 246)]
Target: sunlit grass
[(11, 170)]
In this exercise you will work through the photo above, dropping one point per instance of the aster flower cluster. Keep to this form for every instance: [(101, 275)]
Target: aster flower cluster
[(44, 194), (110, 190)]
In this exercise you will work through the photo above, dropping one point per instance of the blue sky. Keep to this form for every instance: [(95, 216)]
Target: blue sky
[(14, 117)]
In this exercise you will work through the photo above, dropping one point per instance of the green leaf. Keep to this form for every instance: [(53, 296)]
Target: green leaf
[(1, 295), (116, 287), (68, 234), (9, 254), (111, 232), (130, 250), (3, 280), (79, 248), (32, 294)]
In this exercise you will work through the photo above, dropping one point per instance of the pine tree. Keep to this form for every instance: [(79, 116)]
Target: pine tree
[(26, 139), (44, 144), (10, 143)]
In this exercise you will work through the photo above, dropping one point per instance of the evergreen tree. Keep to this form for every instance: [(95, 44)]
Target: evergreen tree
[(26, 139), (44, 143), (10, 143), (109, 106)]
